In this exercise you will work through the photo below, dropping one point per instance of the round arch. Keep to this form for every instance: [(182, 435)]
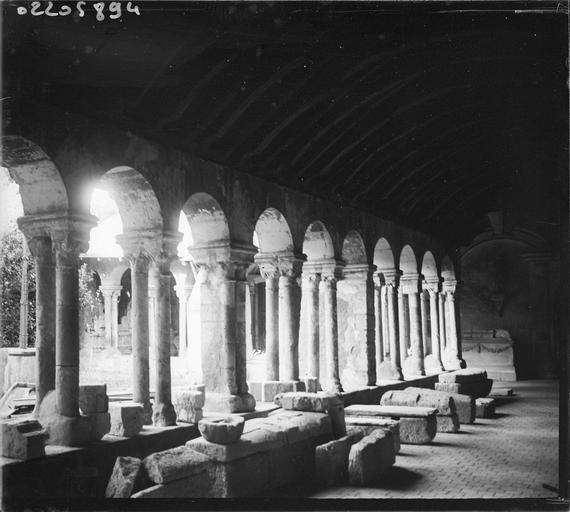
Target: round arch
[(383, 256), (353, 249), (408, 261), (41, 186), (207, 220), (272, 233), (318, 244), (429, 266)]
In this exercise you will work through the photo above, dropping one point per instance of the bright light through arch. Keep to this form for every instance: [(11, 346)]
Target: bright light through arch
[(102, 241), (187, 240)]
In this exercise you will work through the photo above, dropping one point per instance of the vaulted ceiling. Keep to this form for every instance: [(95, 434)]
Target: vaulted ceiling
[(431, 114)]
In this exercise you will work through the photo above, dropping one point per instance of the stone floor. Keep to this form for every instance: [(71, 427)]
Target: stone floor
[(510, 456)]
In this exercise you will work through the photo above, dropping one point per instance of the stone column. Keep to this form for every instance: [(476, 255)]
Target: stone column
[(67, 250), (442, 326), (384, 321), (252, 318), (395, 358), (425, 317), (153, 287), (163, 410), (183, 293), (403, 325), (311, 292), (432, 288), (331, 379), (271, 276), (289, 314), (140, 331), (111, 296), (453, 351), (379, 292), (411, 289), (41, 250)]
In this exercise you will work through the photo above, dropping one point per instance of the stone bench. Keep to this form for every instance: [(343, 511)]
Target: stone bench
[(418, 425), (365, 425), (464, 404), (469, 381), (447, 419), (272, 452), (485, 407)]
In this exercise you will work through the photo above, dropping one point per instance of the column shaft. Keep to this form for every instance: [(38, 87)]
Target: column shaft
[(435, 339), (416, 345), (227, 363), (311, 284), (426, 334), (331, 378), (45, 317), (395, 359), (67, 330), (140, 332), (163, 411), (108, 306), (271, 328), (402, 326), (379, 327), (442, 323), (453, 342), (288, 331)]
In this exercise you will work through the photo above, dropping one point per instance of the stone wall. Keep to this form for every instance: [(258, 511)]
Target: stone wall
[(504, 290)]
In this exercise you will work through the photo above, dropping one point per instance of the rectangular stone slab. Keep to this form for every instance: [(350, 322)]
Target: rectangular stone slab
[(93, 398), (464, 404), (476, 389), (396, 411), (418, 425), (124, 477), (174, 464), (462, 376), (418, 398)]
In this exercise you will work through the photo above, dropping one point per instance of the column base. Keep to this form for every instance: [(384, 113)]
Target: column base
[(332, 387), (163, 415), (453, 363), (226, 403), (413, 367), (432, 365), (387, 371), (147, 412), (270, 388)]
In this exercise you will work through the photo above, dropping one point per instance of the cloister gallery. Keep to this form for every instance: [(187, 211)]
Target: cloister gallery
[(278, 205)]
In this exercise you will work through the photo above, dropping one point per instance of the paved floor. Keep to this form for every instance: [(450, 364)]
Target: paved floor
[(510, 456)]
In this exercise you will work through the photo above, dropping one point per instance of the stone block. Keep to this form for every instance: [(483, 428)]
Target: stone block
[(255, 388), (418, 425), (188, 405), (23, 439), (126, 473), (311, 384), (229, 404), (93, 398), (447, 387), (310, 425), (243, 477), (100, 424), (448, 423), (463, 376), (331, 460), (174, 464), (464, 404), (367, 425), (485, 407), (127, 418), (440, 401), (372, 456), (310, 402)]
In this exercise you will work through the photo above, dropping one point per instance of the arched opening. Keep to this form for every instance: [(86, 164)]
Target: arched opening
[(447, 269), (408, 261), (318, 244), (207, 221), (272, 233), (353, 249)]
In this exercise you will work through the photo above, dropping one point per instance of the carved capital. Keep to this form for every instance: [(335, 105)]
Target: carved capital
[(449, 286), (41, 249), (328, 281), (268, 271), (290, 267)]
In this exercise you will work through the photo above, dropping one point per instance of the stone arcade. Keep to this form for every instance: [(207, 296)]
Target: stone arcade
[(300, 217)]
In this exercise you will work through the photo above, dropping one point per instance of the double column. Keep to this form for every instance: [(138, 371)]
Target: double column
[(270, 274), (410, 285), (183, 289), (331, 378), (452, 359), (387, 326), (310, 283), (432, 287), (144, 250)]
